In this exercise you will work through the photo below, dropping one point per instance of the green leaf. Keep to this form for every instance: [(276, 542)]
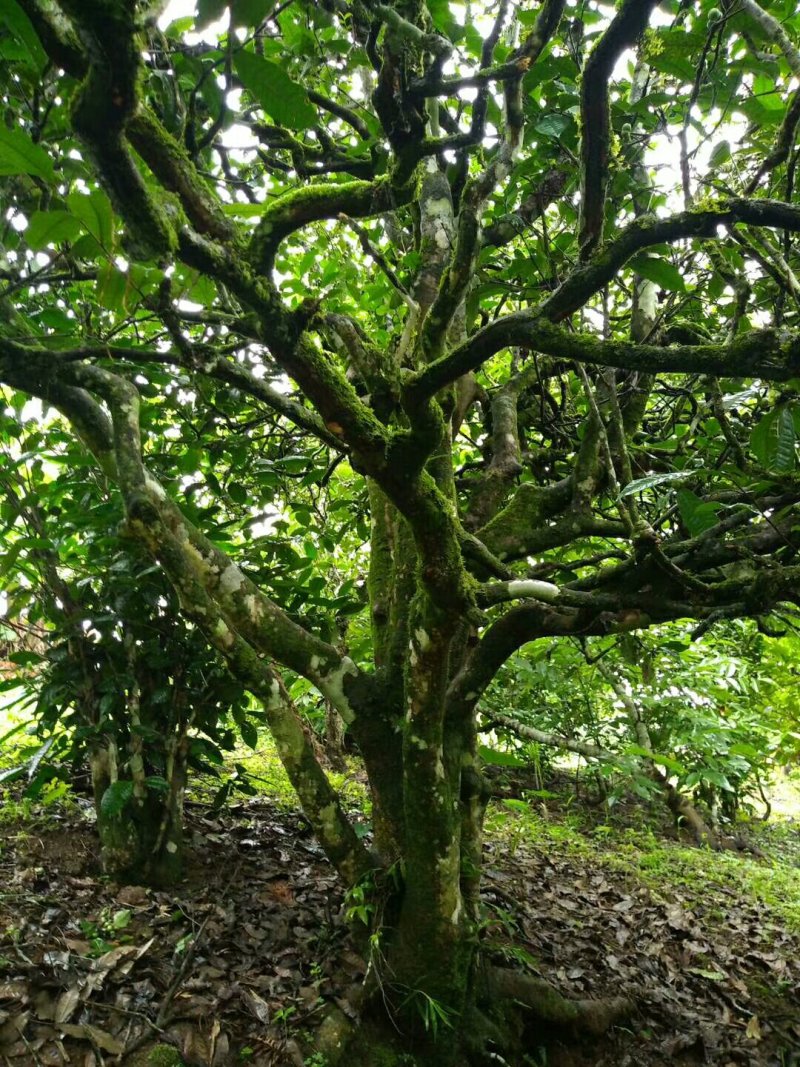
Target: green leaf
[(249, 733), (442, 19), (697, 514), (115, 798), (785, 451), (553, 126), (25, 659), (238, 493), (209, 11), (669, 762), (720, 153), (95, 212), (87, 247), (51, 228), (773, 441), (22, 29), (121, 919), (19, 155), (111, 287), (651, 480), (11, 774), (660, 271), (250, 12), (279, 95), (499, 759)]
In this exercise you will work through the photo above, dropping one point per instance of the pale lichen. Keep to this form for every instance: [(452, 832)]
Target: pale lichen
[(530, 587)]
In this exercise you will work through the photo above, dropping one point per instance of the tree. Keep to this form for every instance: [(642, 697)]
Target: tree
[(428, 240), (119, 679), (656, 713)]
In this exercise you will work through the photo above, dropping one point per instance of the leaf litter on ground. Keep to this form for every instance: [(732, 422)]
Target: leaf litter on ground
[(240, 961)]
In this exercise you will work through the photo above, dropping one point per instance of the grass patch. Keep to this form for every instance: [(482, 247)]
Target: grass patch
[(667, 868), (266, 774)]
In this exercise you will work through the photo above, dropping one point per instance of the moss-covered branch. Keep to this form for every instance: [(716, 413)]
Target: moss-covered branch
[(170, 163), (165, 156), (117, 447), (626, 27), (213, 365), (648, 230), (773, 355), (506, 460), (584, 282), (773, 31), (328, 200), (101, 109), (318, 798)]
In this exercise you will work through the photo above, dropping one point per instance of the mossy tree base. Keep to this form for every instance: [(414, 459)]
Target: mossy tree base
[(506, 1013)]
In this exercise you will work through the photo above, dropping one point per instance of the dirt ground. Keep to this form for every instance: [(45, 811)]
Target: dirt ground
[(239, 964)]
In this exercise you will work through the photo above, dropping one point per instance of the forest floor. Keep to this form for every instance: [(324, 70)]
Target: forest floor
[(239, 963)]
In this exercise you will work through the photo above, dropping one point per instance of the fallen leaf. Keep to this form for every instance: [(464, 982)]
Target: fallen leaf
[(66, 1005), (257, 1005), (101, 1038), (753, 1030)]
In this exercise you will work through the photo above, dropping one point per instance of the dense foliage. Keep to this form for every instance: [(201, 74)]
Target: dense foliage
[(400, 336)]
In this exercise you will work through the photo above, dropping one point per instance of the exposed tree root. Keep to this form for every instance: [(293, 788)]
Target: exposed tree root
[(506, 1004), (548, 1005)]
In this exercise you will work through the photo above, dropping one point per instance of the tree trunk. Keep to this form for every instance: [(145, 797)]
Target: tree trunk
[(141, 836)]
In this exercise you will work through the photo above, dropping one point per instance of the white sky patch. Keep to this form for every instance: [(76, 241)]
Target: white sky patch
[(179, 9), (266, 524), (239, 137)]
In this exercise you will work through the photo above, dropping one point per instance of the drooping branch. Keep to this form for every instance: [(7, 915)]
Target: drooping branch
[(295, 749), (681, 807), (545, 737), (151, 518), (246, 608)]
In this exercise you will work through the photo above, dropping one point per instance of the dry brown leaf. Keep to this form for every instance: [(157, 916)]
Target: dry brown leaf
[(257, 1005), (66, 1005), (13, 991), (101, 1038), (753, 1030)]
